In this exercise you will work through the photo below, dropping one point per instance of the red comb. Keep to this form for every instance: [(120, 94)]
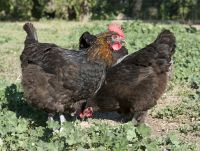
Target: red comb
[(116, 28)]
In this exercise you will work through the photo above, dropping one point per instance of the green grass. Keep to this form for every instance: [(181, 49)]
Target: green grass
[(23, 127)]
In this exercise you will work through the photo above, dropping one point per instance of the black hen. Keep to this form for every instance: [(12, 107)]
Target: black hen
[(135, 84), (56, 79)]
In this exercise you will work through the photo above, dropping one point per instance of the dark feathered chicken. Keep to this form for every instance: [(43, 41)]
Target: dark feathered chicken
[(136, 83), (57, 79)]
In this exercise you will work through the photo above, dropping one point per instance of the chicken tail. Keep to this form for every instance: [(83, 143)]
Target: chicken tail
[(165, 44), (31, 34), (86, 40), (166, 39)]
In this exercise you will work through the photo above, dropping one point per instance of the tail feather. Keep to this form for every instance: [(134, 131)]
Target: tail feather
[(166, 44), (166, 37), (31, 33), (86, 40)]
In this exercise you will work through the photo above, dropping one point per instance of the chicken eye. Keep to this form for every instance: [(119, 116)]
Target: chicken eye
[(115, 37)]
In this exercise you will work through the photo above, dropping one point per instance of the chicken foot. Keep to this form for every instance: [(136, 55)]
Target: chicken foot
[(62, 121), (136, 117)]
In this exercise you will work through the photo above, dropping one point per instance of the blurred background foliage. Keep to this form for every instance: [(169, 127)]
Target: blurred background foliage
[(182, 10)]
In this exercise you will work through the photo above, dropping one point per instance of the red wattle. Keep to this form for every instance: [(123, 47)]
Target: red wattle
[(116, 46)]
